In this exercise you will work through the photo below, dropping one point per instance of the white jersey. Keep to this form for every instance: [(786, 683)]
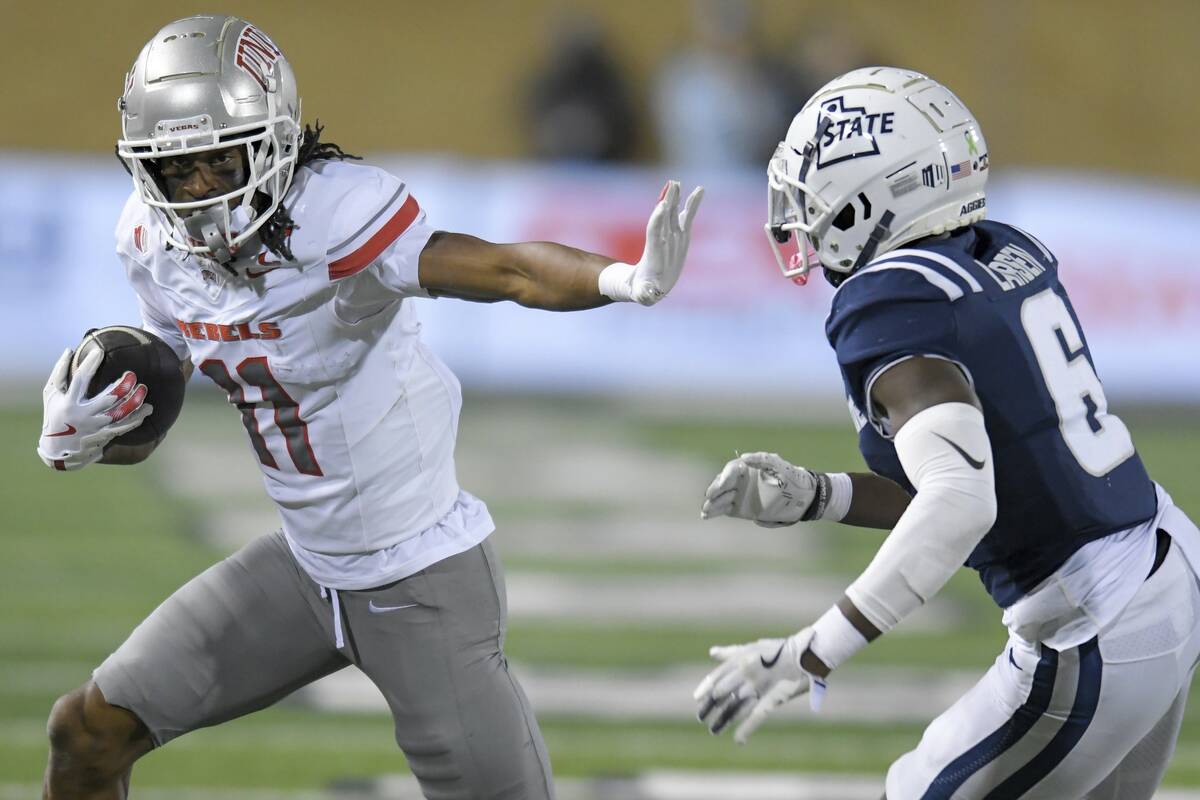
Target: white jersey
[(350, 417)]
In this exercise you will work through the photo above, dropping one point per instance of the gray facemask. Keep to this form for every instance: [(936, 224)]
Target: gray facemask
[(206, 226)]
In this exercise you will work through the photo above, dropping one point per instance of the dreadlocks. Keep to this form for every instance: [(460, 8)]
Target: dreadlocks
[(276, 232)]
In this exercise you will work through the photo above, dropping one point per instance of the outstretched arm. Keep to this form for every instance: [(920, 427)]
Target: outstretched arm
[(534, 274), (560, 278)]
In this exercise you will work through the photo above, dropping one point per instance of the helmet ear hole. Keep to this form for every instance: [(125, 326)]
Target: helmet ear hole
[(845, 218)]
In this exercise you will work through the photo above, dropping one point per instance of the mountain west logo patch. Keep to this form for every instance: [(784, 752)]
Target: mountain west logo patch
[(851, 132)]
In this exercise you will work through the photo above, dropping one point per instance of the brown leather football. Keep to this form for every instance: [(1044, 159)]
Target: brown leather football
[(154, 363)]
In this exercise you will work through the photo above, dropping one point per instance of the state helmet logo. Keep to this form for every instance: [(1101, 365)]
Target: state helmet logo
[(849, 131)]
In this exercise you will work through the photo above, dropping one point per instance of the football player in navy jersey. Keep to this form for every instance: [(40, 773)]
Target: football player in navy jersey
[(989, 441)]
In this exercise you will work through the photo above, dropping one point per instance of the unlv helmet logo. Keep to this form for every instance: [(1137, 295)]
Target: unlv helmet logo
[(256, 55), (850, 131)]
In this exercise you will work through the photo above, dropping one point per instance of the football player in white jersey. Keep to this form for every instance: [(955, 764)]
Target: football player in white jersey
[(285, 274), (990, 443)]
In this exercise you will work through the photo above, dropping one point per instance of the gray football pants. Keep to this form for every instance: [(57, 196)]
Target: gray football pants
[(254, 628)]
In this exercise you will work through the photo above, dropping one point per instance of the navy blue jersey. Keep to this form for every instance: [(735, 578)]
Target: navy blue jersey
[(988, 299)]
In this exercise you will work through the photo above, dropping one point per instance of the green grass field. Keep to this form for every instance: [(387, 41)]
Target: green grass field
[(88, 555)]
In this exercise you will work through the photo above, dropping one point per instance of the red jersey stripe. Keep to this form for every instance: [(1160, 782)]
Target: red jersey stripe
[(355, 262)]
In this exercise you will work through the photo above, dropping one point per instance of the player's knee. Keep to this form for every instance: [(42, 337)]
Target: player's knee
[(85, 729)]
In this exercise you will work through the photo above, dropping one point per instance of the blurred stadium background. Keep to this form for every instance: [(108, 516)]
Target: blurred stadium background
[(591, 436)]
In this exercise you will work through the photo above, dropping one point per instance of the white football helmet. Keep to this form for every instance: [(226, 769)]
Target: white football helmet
[(204, 83), (877, 157)]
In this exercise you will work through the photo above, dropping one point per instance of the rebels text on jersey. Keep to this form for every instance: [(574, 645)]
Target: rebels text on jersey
[(351, 419), (988, 299)]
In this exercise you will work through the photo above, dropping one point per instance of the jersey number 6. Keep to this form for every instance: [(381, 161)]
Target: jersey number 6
[(255, 372), (1098, 442)]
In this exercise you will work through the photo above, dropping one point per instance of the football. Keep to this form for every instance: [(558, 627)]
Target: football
[(154, 363)]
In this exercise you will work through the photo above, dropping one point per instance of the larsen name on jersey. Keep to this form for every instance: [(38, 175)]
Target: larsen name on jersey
[(351, 419)]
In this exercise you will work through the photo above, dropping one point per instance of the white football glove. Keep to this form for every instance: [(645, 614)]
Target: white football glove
[(752, 681), (765, 488), (75, 428), (667, 237)]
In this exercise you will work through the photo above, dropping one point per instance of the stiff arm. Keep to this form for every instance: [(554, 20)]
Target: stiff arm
[(557, 277)]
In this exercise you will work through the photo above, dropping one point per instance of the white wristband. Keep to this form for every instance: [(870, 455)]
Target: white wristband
[(616, 282), (831, 499), (841, 490), (835, 639)]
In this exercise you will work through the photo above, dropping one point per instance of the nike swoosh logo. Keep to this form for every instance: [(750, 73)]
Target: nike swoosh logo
[(1013, 661), (70, 429), (374, 609), (262, 262), (774, 659), (973, 462)]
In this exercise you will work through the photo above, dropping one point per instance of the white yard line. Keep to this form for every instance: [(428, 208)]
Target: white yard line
[(865, 695), (694, 786), (763, 598), (651, 786), (813, 786), (648, 539), (17, 791)]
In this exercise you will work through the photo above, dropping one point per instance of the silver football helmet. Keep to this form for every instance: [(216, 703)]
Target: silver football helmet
[(877, 157), (205, 83)]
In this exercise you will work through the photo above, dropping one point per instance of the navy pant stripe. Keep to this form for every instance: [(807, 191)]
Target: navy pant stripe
[(1087, 697), (960, 769)]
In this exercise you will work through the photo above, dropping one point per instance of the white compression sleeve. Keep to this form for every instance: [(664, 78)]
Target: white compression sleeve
[(946, 455)]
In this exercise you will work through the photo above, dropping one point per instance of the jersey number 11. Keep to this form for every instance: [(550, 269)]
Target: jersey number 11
[(255, 372)]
